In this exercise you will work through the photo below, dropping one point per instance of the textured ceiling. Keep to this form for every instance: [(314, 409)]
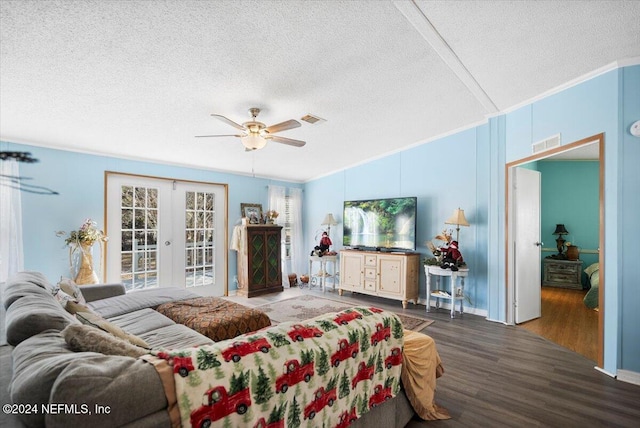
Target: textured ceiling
[(139, 79)]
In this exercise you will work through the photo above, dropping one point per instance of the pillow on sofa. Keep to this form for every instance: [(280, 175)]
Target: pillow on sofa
[(62, 297), (33, 314), (85, 338), (71, 288), (95, 320)]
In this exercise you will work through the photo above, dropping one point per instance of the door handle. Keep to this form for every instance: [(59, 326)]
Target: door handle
[(167, 243), (539, 244)]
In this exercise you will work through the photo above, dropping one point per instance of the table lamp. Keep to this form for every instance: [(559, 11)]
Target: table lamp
[(458, 219), (560, 231)]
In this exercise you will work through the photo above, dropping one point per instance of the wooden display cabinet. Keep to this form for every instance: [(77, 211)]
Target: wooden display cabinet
[(260, 269)]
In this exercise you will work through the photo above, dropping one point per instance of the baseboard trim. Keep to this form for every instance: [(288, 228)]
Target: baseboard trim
[(605, 372), (629, 376), (467, 310)]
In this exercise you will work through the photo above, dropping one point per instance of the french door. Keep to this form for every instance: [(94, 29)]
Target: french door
[(165, 233)]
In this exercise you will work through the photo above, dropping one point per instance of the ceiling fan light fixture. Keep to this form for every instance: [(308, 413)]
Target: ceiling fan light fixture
[(253, 141)]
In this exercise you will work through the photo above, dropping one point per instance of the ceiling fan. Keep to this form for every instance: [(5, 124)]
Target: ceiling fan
[(255, 134)]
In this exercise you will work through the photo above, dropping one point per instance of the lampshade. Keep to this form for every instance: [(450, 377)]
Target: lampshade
[(253, 141), (329, 220), (457, 218), (560, 230)]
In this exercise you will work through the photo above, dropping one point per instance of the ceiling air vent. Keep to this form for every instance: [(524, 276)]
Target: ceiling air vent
[(312, 119), (546, 144)]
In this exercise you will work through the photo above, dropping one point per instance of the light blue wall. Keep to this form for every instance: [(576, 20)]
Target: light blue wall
[(629, 297), (443, 175), (473, 177), (79, 179), (570, 195)]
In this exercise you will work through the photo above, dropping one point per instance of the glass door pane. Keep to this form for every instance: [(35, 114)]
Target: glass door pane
[(199, 241)]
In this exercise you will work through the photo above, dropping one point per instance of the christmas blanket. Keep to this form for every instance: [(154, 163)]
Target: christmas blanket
[(326, 371)]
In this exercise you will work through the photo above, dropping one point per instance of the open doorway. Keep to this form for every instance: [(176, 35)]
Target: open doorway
[(565, 318)]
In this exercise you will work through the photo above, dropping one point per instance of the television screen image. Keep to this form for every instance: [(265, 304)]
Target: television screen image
[(380, 223)]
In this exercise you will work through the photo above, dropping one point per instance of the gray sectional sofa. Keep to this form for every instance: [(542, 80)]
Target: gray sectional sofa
[(92, 389)]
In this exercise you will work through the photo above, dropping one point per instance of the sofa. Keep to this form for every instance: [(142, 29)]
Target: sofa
[(54, 386)]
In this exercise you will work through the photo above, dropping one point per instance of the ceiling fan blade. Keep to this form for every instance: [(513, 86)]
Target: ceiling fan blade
[(283, 126), (288, 141), (228, 121), (227, 135)]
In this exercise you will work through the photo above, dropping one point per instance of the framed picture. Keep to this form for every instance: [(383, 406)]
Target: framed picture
[(252, 211)]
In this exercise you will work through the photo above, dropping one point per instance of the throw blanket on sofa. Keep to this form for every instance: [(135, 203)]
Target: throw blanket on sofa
[(326, 371)]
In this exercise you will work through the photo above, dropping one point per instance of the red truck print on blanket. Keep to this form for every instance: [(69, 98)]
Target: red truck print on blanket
[(239, 349), (363, 373), (346, 418), (181, 365), (293, 374), (217, 404), (381, 333), (394, 359), (263, 424), (345, 317), (300, 332), (321, 398), (346, 350), (380, 395)]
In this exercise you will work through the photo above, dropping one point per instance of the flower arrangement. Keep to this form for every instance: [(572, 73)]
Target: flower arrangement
[(88, 234), (272, 215)]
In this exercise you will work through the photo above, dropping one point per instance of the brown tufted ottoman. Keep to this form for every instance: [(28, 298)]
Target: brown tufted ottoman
[(216, 318)]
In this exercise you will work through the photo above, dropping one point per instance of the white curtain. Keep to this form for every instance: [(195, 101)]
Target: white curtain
[(11, 251), (278, 203), (298, 260)]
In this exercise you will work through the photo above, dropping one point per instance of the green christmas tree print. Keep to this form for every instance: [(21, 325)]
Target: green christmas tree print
[(277, 413), (306, 357), (322, 362), (363, 406), (353, 336), (364, 343), (293, 418), (379, 363), (327, 325), (185, 405), (206, 360), (261, 387), (364, 311), (278, 339), (239, 382), (344, 385), (398, 331), (194, 379)]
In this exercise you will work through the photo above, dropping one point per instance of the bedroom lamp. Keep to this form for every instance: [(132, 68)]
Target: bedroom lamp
[(458, 219), (560, 231)]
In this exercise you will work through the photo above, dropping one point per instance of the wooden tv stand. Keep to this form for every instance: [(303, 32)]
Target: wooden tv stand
[(393, 275)]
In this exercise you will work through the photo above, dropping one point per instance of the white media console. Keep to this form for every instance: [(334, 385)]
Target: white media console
[(393, 275)]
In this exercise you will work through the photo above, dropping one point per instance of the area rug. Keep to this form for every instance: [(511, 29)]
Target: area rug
[(305, 307)]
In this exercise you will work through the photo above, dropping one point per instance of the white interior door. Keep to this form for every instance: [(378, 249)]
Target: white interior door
[(526, 245), (165, 233)]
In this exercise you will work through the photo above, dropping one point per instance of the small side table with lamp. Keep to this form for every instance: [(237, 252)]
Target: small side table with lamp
[(323, 274)]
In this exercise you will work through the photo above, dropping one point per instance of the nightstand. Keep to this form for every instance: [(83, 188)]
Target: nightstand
[(562, 273)]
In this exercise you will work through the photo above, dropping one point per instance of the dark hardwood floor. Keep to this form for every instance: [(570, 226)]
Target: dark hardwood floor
[(502, 376), (567, 321)]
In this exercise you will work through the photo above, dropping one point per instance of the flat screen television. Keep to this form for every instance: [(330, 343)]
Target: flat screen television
[(388, 224)]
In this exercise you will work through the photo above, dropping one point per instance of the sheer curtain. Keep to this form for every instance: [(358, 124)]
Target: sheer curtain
[(278, 202), (11, 252), (298, 260)]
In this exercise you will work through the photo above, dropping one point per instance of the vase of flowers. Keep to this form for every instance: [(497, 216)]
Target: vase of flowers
[(80, 243), (272, 215)]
